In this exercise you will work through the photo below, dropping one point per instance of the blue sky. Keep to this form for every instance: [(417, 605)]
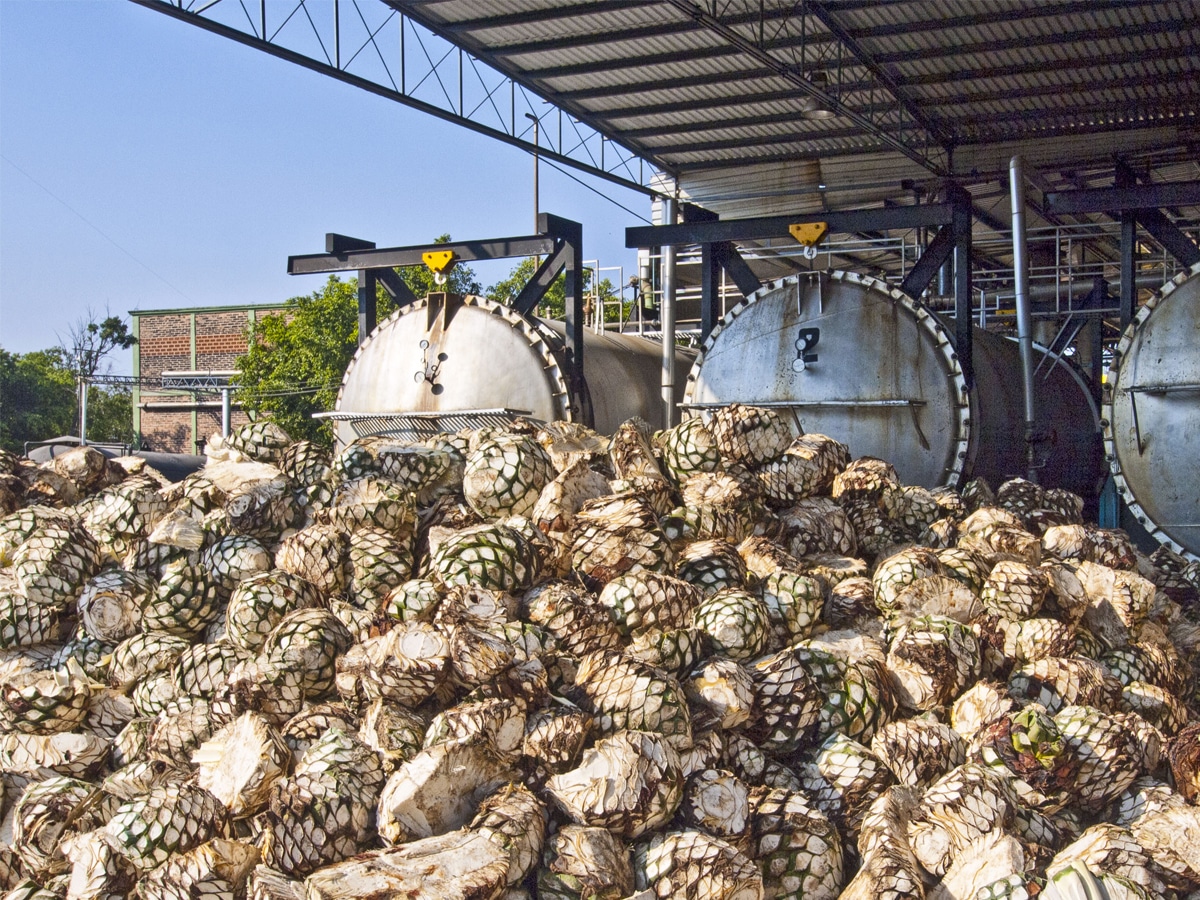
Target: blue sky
[(147, 163)]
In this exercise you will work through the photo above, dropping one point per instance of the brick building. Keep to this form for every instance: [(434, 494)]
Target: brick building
[(208, 339)]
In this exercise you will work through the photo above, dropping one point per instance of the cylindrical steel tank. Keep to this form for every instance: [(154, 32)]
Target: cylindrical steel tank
[(174, 466), (851, 357), (447, 362), (1151, 415)]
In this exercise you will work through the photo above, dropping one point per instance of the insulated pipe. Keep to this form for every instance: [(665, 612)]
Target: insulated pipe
[(670, 207), (1048, 292), (1024, 310), (945, 279)]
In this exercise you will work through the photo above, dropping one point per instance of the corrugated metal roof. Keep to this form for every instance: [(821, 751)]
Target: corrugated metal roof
[(691, 86), (724, 97)]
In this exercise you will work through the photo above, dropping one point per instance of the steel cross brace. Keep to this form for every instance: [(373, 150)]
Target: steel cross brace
[(953, 240), (559, 240), (566, 256), (1135, 204), (1088, 310)]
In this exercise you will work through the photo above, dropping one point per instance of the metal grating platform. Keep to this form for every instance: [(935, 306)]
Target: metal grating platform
[(419, 425)]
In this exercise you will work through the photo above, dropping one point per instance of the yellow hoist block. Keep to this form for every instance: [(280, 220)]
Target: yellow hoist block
[(439, 261), (809, 233)]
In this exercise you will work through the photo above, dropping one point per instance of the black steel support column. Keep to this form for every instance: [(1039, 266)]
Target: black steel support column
[(1128, 267), (710, 279), (366, 304), (710, 272), (341, 244), (963, 323), (1098, 299), (1124, 179), (566, 257), (571, 235)]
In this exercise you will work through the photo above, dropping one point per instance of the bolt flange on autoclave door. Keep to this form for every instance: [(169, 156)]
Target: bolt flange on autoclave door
[(1151, 415)]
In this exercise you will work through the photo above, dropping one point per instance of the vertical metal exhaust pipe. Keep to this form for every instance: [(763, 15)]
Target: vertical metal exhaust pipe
[(670, 212), (1016, 180), (225, 412)]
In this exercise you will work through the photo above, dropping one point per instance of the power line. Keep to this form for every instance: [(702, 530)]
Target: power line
[(97, 229), (598, 193)]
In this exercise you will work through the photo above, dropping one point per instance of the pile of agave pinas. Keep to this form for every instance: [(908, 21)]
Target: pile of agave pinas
[(720, 662)]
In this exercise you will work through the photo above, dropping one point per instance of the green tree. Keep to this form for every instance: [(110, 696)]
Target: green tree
[(553, 304), (110, 415), (38, 397), (296, 358), (39, 400), (84, 354), (89, 341)]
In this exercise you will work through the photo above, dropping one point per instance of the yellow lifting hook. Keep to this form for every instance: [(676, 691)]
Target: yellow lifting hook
[(809, 234), (440, 262)]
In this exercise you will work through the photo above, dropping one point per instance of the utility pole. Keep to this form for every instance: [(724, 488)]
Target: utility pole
[(225, 411), (536, 204), (83, 392)]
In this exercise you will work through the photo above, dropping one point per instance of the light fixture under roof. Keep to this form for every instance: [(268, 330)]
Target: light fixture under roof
[(820, 111), (813, 107)]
